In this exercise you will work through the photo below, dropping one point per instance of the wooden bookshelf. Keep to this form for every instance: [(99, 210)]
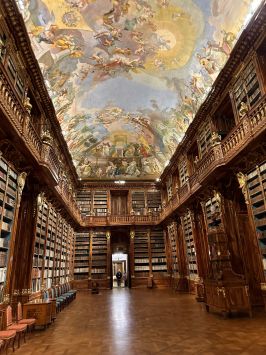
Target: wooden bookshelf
[(50, 248), (84, 201), (213, 213), (82, 256), (173, 248), (154, 202), (8, 200), (138, 202), (183, 171), (158, 255), (247, 90), (256, 184), (169, 187), (189, 246), (204, 139), (39, 249), (53, 249), (99, 255), (100, 203), (141, 253)]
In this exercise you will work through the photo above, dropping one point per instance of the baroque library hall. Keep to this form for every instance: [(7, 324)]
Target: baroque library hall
[(132, 177)]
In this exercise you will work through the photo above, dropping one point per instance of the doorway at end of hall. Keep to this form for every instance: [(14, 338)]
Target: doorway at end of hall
[(120, 262)]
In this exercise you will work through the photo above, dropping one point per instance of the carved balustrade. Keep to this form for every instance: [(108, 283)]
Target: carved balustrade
[(236, 139), (121, 220), (10, 104), (257, 116), (33, 139), (221, 153)]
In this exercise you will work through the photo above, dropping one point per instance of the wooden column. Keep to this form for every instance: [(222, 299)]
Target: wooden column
[(202, 250), (90, 256), (109, 259), (168, 252), (131, 253), (248, 241), (182, 260), (23, 245)]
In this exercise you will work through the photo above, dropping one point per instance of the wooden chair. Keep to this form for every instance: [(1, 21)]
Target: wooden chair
[(30, 322), (19, 328), (2, 344), (7, 337)]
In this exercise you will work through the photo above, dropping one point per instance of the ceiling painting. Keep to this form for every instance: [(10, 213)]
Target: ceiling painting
[(127, 76)]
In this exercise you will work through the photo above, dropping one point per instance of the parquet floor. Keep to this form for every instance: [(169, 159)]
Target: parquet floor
[(144, 322)]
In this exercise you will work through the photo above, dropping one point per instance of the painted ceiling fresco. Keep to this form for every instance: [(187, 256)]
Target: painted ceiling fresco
[(127, 76)]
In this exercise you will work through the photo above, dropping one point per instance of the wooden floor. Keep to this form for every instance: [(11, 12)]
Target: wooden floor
[(146, 321)]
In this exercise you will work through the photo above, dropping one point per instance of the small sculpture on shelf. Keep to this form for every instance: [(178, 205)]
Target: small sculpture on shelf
[(215, 138), (196, 160), (242, 185), (243, 110), (27, 104), (46, 137), (21, 183)]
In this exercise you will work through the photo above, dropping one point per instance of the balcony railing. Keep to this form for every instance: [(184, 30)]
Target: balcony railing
[(19, 118), (220, 154), (121, 220)]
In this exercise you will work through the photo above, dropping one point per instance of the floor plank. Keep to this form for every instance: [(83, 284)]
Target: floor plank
[(142, 321)]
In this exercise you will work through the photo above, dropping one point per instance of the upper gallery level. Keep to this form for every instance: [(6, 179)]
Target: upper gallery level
[(126, 78), (28, 119)]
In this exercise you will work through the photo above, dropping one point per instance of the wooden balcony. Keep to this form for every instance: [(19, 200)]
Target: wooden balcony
[(251, 126), (44, 155), (118, 220)]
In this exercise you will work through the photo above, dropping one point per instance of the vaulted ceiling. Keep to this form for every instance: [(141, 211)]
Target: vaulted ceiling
[(127, 76)]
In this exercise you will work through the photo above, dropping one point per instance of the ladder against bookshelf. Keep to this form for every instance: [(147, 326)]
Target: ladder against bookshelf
[(190, 251), (158, 258), (141, 257), (8, 200), (256, 185), (100, 257), (225, 290), (138, 202)]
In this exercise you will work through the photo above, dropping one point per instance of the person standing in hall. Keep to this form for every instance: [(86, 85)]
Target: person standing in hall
[(118, 278)]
